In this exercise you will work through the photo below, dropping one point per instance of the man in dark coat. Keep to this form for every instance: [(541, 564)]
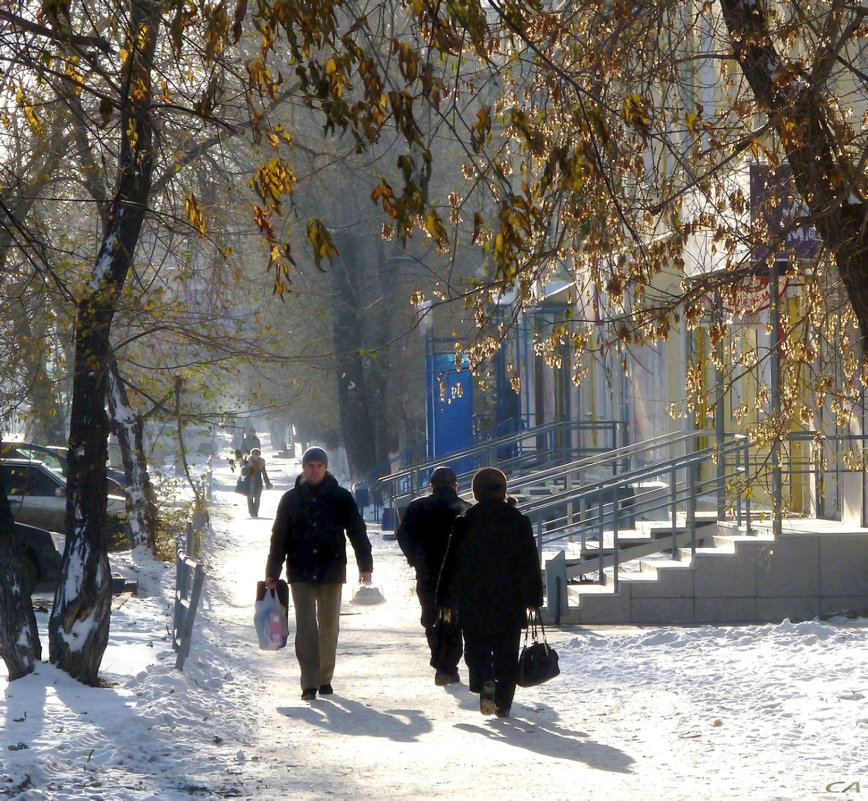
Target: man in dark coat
[(310, 529), (491, 574), (423, 535)]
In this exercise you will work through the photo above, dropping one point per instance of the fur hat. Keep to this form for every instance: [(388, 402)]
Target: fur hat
[(315, 455), (443, 477), (489, 483)]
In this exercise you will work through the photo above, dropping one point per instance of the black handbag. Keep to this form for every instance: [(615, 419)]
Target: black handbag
[(537, 662)]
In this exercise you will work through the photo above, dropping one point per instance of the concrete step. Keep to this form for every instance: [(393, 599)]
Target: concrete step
[(656, 565), (588, 560)]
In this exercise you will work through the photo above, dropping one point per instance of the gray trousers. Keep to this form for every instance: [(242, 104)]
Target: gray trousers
[(317, 616)]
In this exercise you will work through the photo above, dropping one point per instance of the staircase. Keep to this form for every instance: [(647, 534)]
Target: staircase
[(814, 568), (639, 537)]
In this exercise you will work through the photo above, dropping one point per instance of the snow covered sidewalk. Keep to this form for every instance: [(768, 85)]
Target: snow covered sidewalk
[(756, 712)]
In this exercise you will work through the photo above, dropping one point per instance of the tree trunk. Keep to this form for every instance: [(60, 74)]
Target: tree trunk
[(79, 622), (357, 427), (385, 384), (19, 636), (141, 498)]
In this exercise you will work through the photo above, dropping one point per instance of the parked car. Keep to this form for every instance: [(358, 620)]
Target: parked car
[(37, 495), (55, 457), (44, 549)]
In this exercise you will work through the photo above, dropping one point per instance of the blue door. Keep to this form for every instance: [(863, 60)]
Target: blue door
[(450, 408)]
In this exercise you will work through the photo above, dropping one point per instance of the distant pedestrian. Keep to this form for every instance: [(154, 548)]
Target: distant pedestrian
[(491, 575), (249, 441), (423, 535), (313, 521), (256, 474)]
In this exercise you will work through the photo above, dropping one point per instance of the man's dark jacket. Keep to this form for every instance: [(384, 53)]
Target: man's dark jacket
[(423, 533), (491, 572), (310, 531)]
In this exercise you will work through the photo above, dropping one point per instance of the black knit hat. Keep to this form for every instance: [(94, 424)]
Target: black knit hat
[(443, 477), (489, 483), (315, 455)]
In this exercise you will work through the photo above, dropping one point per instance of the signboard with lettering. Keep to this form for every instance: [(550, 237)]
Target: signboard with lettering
[(751, 296), (777, 216)]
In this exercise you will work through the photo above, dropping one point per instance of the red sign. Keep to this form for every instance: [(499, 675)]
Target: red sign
[(751, 296)]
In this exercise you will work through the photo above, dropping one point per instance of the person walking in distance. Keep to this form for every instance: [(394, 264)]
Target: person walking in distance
[(491, 574), (313, 521), (254, 470), (423, 535)]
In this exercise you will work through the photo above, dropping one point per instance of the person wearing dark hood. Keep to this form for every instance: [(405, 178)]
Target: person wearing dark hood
[(491, 576), (423, 534), (313, 521)]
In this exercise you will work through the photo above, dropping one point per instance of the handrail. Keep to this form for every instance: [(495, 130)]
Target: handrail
[(614, 457), (592, 493), (638, 474), (514, 425), (410, 481), (486, 445), (614, 491)]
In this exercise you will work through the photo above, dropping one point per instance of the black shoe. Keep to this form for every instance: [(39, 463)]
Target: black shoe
[(501, 712), (308, 694), (441, 679), (486, 698), (325, 689)]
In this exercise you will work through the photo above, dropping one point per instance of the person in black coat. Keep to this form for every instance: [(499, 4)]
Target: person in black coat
[(313, 521), (423, 535), (491, 576)]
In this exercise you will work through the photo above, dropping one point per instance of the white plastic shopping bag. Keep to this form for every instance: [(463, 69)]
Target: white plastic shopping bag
[(270, 615), (367, 594)]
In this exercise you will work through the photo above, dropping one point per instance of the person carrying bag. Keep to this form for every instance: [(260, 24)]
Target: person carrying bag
[(491, 578)]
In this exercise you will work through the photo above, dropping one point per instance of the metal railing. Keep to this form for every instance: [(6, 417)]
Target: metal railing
[(595, 502), (527, 451), (602, 500), (189, 579)]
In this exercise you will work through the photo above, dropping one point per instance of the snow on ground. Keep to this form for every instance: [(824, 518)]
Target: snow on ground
[(732, 712)]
